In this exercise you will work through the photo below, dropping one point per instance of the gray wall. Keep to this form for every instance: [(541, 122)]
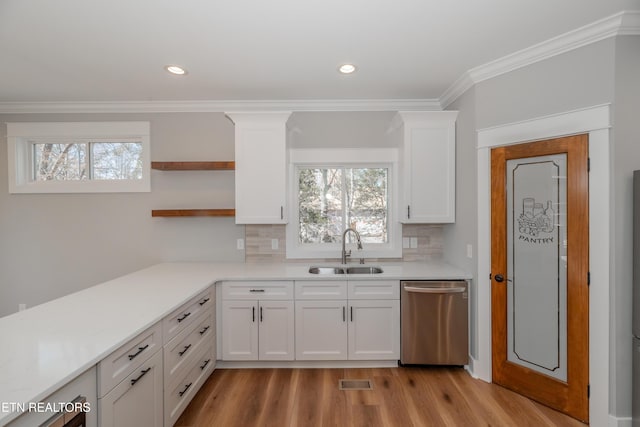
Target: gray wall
[(626, 159), (354, 129), (55, 244), (604, 72), (465, 230)]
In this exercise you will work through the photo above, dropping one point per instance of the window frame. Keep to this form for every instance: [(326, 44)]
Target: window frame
[(21, 138), (344, 158)]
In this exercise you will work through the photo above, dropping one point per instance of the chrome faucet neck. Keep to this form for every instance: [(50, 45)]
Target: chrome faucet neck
[(344, 239)]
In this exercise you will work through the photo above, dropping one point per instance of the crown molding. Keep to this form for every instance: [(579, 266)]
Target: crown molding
[(221, 106), (622, 23), (460, 86)]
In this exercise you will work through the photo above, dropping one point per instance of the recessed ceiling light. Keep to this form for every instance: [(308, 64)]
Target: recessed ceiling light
[(175, 69), (347, 68)]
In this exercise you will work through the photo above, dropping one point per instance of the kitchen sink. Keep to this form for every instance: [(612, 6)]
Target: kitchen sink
[(364, 270), (347, 270), (326, 270)]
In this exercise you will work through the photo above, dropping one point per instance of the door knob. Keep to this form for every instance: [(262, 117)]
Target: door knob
[(499, 278)]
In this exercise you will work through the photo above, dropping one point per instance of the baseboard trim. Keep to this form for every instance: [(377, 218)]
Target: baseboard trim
[(619, 422), (227, 364)]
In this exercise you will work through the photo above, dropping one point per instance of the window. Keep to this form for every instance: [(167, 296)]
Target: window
[(327, 198), (332, 199), (78, 157)]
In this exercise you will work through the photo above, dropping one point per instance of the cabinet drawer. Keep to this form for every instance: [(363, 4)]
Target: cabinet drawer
[(136, 401), (259, 290), (122, 362), (179, 393), (374, 289), (181, 350), (177, 321), (321, 290)]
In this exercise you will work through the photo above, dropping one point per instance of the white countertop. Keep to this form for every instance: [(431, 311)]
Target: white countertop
[(48, 345)]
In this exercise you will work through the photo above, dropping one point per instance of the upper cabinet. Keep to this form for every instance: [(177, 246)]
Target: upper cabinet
[(261, 166), (427, 141)]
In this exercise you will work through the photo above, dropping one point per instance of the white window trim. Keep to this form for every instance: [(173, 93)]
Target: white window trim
[(382, 157), (20, 165)]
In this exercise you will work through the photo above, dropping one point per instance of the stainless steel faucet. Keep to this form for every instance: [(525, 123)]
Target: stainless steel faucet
[(345, 254)]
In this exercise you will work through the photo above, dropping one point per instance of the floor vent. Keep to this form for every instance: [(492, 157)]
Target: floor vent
[(355, 385)]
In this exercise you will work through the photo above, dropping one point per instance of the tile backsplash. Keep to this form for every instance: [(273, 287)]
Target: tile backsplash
[(259, 239)]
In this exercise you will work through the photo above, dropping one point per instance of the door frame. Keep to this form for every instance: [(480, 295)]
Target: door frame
[(596, 122)]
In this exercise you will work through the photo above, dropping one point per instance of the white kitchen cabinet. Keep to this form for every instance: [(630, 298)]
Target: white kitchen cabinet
[(188, 312), (189, 352), (239, 330), (261, 167), (427, 142), (137, 400), (331, 327), (374, 329), (254, 328), (276, 330), (178, 394), (130, 382), (321, 330)]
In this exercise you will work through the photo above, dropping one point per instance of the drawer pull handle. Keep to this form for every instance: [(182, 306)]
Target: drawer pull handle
[(180, 319), (185, 389), (144, 372), (204, 301), (256, 290), (186, 347), (206, 328), (206, 362), (140, 350)]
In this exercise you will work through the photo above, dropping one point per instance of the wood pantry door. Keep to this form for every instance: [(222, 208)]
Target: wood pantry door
[(539, 271)]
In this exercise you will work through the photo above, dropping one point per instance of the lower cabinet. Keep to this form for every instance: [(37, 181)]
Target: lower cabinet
[(257, 330), (189, 353), (311, 320), (178, 394), (321, 330), (348, 329), (136, 400), (374, 329), (151, 379)]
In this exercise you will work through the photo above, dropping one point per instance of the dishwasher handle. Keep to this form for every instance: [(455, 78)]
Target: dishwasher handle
[(435, 290)]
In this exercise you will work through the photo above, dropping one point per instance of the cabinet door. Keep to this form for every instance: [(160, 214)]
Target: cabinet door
[(429, 167), (321, 330), (276, 340), (374, 329), (137, 400), (261, 167), (239, 330)]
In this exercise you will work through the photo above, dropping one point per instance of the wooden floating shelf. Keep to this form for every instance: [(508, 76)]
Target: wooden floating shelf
[(192, 212), (194, 166)]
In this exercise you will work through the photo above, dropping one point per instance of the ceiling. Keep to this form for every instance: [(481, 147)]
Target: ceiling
[(115, 51)]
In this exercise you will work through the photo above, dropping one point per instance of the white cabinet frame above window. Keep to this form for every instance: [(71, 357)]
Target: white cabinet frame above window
[(23, 137), (347, 158)]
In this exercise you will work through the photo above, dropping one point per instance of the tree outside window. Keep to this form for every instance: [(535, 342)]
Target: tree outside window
[(335, 198)]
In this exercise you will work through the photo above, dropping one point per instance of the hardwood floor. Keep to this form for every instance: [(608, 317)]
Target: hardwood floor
[(430, 396)]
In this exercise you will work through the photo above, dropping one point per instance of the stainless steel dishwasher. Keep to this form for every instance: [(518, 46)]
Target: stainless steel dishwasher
[(434, 323)]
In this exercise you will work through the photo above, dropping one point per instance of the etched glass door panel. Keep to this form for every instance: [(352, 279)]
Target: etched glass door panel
[(537, 264)]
